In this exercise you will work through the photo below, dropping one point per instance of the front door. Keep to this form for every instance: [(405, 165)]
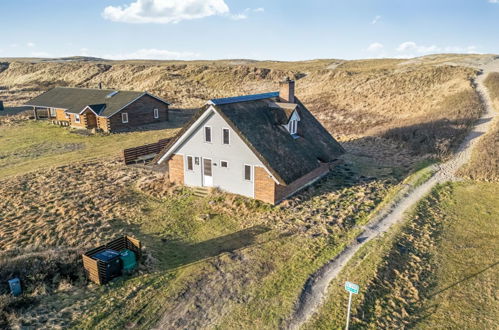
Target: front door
[(207, 173)]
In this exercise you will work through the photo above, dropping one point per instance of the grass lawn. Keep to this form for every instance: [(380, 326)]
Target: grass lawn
[(33, 145), (437, 270), (236, 249)]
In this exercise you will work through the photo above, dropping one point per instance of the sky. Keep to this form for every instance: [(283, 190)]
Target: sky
[(250, 29)]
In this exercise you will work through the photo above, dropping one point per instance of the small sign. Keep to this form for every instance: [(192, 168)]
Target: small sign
[(351, 287)]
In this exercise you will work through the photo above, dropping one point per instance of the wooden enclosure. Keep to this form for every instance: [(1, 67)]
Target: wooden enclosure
[(143, 153), (96, 269)]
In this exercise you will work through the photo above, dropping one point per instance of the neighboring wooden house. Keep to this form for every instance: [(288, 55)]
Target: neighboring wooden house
[(265, 146), (105, 109)]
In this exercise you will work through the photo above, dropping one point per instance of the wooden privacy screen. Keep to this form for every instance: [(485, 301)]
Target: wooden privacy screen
[(132, 154), (96, 269)]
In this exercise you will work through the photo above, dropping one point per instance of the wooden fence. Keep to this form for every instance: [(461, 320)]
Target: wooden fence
[(96, 269), (143, 153)]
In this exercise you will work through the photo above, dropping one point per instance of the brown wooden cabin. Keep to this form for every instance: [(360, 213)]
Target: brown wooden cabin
[(103, 109)]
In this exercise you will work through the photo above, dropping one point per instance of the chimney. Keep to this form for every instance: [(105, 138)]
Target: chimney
[(1, 106), (100, 85), (287, 91)]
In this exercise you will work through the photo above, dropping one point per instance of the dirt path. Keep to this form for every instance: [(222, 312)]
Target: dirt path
[(316, 287)]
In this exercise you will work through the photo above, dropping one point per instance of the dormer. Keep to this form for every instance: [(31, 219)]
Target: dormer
[(292, 125)]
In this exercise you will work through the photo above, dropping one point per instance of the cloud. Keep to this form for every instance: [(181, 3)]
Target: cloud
[(246, 12), (30, 44), (164, 11), (374, 47), (412, 47), (494, 1), (153, 54), (376, 19)]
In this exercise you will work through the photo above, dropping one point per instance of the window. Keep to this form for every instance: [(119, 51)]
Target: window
[(293, 126), (124, 117), (224, 164), (77, 118), (52, 112), (247, 172), (156, 113), (207, 134), (189, 163), (225, 136)]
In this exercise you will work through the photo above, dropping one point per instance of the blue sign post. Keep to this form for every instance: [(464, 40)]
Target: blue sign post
[(352, 288)]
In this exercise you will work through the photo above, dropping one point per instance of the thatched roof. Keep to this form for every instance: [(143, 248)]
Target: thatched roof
[(105, 102), (259, 124)]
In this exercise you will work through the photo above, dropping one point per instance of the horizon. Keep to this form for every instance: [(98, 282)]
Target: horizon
[(263, 31), (76, 57)]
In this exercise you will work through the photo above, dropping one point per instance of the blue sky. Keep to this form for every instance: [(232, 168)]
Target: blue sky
[(257, 29)]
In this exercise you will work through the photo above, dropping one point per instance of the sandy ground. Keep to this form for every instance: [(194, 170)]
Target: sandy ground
[(316, 287)]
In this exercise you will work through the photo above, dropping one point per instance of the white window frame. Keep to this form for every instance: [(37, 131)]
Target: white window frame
[(187, 163), (293, 126), (124, 117), (156, 113), (251, 173), (221, 161), (77, 118), (211, 134), (228, 132), (53, 112)]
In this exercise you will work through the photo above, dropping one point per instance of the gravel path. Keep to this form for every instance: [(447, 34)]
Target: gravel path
[(316, 287)]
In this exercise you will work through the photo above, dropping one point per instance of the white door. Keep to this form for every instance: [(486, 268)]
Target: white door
[(207, 173)]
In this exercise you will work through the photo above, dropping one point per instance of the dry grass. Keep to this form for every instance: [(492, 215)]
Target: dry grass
[(222, 245), (68, 206), (484, 165), (222, 260), (353, 99), (434, 271)]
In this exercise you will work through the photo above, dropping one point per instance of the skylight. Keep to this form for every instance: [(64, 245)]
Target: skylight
[(113, 93)]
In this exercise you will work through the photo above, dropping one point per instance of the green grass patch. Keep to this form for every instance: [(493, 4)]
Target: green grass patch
[(32, 145), (437, 270)]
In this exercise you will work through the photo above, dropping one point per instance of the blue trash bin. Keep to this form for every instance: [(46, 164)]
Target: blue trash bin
[(15, 287)]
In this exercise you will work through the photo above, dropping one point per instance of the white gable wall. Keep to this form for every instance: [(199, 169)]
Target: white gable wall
[(294, 116), (237, 154)]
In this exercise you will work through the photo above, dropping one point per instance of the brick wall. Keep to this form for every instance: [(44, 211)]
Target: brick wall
[(264, 186), (176, 169)]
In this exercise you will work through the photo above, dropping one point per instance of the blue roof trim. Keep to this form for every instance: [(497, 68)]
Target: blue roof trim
[(243, 98)]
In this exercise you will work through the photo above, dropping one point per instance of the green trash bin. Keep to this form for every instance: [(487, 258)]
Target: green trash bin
[(129, 260)]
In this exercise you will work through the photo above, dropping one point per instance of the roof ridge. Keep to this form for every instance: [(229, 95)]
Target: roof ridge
[(243, 98), (100, 89)]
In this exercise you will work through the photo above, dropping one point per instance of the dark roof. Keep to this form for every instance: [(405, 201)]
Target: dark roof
[(104, 102), (258, 124)]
